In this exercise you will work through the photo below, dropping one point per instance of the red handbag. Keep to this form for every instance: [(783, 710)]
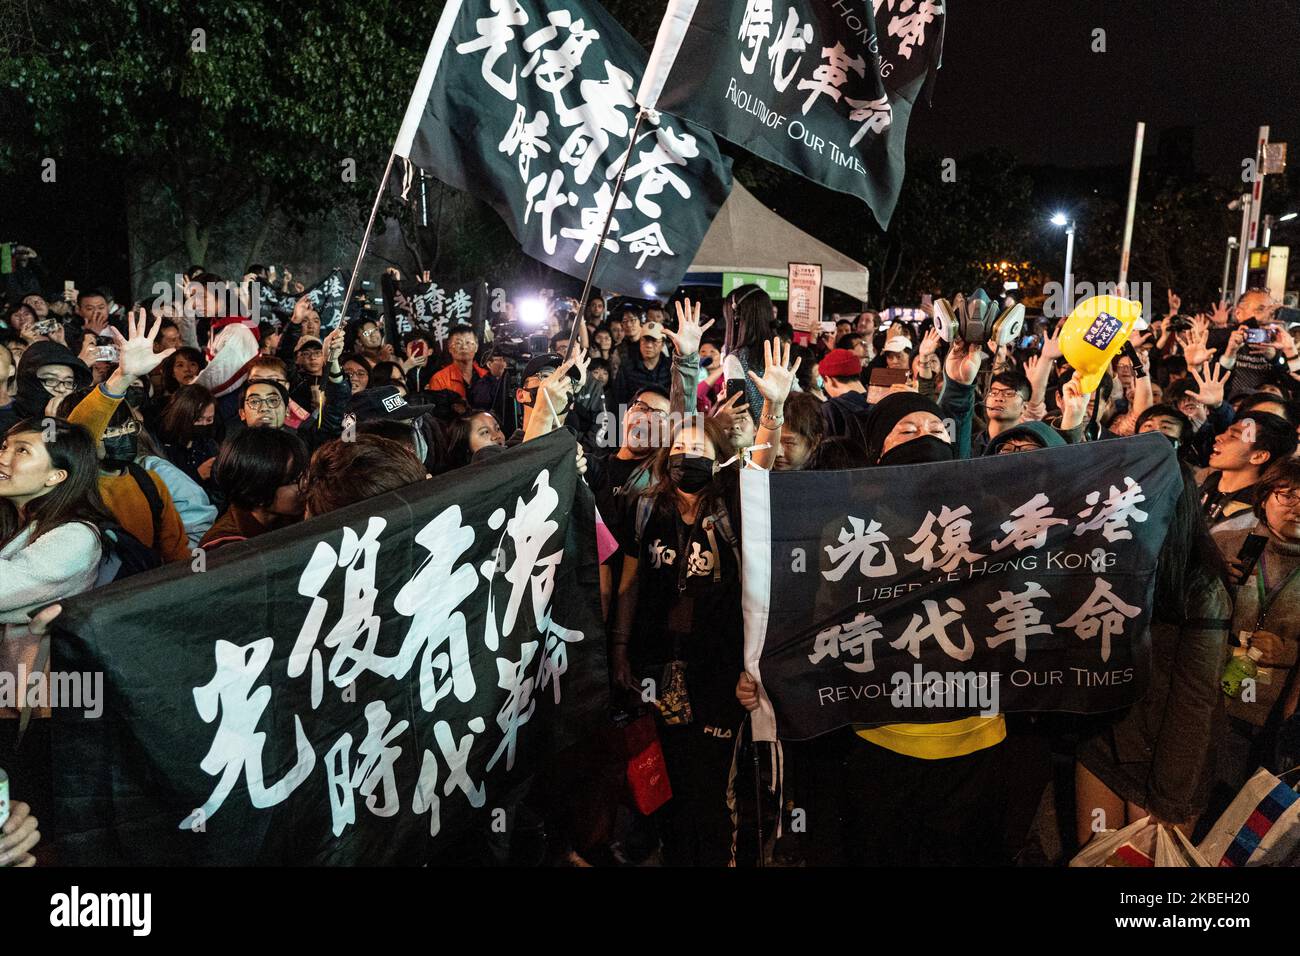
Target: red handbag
[(647, 772)]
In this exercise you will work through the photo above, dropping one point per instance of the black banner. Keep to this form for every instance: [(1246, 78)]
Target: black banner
[(529, 106), (362, 688), (326, 297), (932, 592), (430, 307), (822, 87)]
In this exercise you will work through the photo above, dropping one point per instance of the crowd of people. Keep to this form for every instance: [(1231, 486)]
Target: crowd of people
[(132, 436)]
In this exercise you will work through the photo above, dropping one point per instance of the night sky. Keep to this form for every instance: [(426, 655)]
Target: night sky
[(1021, 74)]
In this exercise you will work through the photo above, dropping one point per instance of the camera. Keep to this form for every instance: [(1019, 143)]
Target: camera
[(1180, 323)]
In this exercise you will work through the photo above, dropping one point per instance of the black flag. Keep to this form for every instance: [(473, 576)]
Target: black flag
[(530, 105), (928, 593), (362, 688), (823, 88)]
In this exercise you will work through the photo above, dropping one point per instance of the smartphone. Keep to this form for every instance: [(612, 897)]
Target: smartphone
[(417, 348), (882, 380), (69, 290), (1257, 336), (45, 326), (735, 386), (106, 353), (1248, 554)]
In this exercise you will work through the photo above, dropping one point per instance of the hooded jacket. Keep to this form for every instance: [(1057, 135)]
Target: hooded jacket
[(30, 398)]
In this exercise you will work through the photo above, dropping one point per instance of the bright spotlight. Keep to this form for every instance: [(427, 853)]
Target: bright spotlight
[(648, 289), (532, 311), (1059, 219)]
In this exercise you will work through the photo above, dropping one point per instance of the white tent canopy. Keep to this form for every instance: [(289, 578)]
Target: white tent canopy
[(746, 236)]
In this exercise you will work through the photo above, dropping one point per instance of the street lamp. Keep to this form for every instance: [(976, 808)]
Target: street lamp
[(1060, 219)]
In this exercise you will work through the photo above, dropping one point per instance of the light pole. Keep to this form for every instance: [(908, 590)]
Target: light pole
[(1227, 266), (1060, 219)]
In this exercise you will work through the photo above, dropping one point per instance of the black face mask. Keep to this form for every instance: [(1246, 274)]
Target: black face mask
[(918, 451), (120, 451), (204, 432), (135, 397), (690, 473)]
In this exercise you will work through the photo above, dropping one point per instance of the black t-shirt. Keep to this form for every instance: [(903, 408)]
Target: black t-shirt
[(688, 602), (614, 501)]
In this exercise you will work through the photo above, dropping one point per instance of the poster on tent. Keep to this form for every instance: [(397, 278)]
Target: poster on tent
[(805, 283)]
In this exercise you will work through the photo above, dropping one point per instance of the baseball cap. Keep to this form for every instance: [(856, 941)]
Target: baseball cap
[(384, 401), (899, 343), (542, 365), (840, 363), (653, 330), (308, 342)]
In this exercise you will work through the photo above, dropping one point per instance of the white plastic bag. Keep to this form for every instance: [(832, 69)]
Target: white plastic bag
[(1174, 849), (1260, 827), (1125, 847)]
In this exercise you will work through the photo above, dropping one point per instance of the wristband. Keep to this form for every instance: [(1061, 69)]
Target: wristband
[(103, 387)]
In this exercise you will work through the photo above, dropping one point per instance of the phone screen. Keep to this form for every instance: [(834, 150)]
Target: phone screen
[(882, 380)]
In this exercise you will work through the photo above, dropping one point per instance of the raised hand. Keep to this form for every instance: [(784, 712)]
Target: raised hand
[(963, 362), (778, 374), (301, 309), (96, 324), (686, 340), (135, 355), (732, 406), (929, 344), (1219, 317), (1210, 384), (1193, 343), (1052, 345), (1074, 404), (333, 345), (1175, 301)]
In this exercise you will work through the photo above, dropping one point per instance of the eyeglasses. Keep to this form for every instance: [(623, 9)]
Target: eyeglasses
[(358, 375), (1011, 447), (1007, 393), (1287, 497), (639, 406), (263, 404), (57, 384)]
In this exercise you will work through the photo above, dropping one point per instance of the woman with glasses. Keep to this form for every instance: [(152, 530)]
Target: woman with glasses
[(48, 372), (1266, 620)]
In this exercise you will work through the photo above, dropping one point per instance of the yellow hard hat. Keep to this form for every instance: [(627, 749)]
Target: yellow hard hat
[(1095, 331)]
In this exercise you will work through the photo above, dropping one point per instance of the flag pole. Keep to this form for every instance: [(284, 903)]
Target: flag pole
[(365, 238), (609, 215), (1132, 206)]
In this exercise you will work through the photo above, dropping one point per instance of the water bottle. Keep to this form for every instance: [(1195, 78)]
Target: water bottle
[(1240, 668)]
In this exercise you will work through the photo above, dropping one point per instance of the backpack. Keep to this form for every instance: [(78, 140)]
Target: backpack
[(150, 492), (124, 555)]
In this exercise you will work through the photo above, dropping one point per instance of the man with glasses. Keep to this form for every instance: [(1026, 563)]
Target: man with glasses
[(1004, 407), (1255, 363), (264, 401), (460, 376)]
